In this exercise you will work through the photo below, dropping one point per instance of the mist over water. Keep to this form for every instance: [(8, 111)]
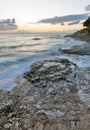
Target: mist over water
[(19, 51)]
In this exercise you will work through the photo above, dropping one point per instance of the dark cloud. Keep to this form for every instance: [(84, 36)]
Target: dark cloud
[(67, 18), (8, 24), (87, 8), (62, 23), (73, 23)]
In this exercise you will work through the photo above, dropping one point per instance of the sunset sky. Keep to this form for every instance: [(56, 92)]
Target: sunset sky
[(28, 12)]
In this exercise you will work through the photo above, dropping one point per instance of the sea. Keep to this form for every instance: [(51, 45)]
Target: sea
[(18, 52)]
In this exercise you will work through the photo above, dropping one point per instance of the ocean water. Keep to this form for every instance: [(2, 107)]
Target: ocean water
[(19, 51)]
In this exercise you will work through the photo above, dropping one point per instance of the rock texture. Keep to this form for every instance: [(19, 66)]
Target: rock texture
[(55, 97), (84, 49), (80, 50), (83, 35)]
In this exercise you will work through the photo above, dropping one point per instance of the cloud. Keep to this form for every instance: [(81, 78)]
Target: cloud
[(73, 23), (7, 27), (62, 23), (87, 8), (67, 18), (8, 24)]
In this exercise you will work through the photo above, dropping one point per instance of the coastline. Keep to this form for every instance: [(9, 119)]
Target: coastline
[(54, 96), (82, 35)]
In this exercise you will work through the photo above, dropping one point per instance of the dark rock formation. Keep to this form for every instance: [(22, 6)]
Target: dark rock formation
[(45, 73), (80, 50), (83, 35), (36, 38), (84, 49)]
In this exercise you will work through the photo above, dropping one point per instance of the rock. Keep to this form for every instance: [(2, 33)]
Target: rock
[(39, 126), (80, 50), (7, 126), (83, 35), (52, 113), (48, 73), (52, 98), (36, 38)]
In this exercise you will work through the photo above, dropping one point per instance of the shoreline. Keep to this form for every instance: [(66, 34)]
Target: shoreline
[(82, 35), (56, 95)]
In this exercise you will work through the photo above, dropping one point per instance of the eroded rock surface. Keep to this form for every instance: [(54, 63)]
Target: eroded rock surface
[(55, 97), (83, 35), (81, 50)]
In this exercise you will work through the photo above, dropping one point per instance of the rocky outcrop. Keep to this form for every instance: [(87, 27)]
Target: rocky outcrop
[(46, 73), (37, 38), (80, 50), (84, 49), (55, 97), (83, 35)]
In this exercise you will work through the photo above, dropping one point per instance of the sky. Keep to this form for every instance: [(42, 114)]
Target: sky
[(28, 12)]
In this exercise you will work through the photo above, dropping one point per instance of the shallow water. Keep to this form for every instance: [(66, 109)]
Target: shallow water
[(19, 51)]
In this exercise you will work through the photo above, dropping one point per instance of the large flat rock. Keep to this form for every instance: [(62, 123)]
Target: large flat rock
[(55, 97)]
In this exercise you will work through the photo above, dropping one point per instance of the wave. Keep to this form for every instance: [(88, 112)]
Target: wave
[(18, 46)]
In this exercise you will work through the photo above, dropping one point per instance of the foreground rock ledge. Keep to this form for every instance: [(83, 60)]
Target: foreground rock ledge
[(55, 97)]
